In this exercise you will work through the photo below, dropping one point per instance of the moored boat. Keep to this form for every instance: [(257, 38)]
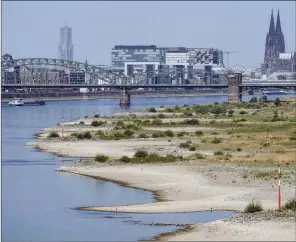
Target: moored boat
[(20, 102)]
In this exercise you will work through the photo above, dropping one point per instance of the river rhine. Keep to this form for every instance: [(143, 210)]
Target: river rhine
[(37, 201)]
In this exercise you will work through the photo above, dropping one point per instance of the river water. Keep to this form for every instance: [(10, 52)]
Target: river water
[(37, 201)]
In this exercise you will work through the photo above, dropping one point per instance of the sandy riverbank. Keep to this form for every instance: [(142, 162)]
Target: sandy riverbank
[(199, 187), (245, 172)]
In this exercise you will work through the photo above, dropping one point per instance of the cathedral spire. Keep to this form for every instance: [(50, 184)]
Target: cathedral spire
[(278, 28), (271, 25)]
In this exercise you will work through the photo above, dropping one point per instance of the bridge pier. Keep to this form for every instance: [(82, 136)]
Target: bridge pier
[(234, 88), (125, 98)]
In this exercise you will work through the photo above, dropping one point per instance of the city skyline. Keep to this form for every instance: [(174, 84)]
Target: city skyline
[(95, 37)]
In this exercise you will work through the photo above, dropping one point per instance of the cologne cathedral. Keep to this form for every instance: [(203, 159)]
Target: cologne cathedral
[(275, 57)]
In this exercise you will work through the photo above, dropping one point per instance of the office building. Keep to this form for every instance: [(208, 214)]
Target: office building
[(133, 60), (65, 45)]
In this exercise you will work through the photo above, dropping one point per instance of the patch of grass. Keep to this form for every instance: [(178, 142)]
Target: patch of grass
[(157, 122), (53, 134), (161, 115), (243, 112), (158, 135), (125, 159), (141, 153), (87, 135), (128, 132), (198, 133), (216, 140), (154, 158), (80, 136), (96, 123), (101, 158), (191, 122), (199, 156), (290, 204), (218, 153), (169, 133), (143, 136), (253, 207), (187, 114), (238, 149), (181, 134), (192, 148), (185, 145)]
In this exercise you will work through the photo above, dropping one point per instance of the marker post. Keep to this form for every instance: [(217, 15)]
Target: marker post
[(279, 186)]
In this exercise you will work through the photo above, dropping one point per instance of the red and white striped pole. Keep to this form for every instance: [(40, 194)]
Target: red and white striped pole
[(279, 186)]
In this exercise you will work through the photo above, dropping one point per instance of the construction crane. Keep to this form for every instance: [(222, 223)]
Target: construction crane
[(228, 52)]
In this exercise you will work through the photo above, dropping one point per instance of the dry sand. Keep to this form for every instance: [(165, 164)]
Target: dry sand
[(198, 187)]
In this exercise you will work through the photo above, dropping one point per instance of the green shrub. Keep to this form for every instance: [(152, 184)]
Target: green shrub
[(199, 156), (128, 132), (96, 123), (218, 109), (198, 133), (101, 158), (157, 122), (120, 124), (141, 153), (188, 114), (191, 122), (74, 134), (143, 136), (118, 135), (218, 153), (253, 100), (132, 127), (161, 115), (81, 123), (146, 122), (152, 110), (173, 123), (201, 109), (253, 207), (87, 135), (53, 134), (96, 116), (181, 134), (85, 116), (277, 102), (169, 110), (169, 133), (230, 112), (292, 138), (125, 159), (80, 136), (100, 133), (216, 140), (192, 148), (185, 145), (239, 149), (243, 112), (291, 204)]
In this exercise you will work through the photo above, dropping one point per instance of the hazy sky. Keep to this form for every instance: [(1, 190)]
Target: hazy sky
[(31, 29)]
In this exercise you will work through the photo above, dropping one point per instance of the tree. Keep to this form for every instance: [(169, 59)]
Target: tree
[(253, 100)]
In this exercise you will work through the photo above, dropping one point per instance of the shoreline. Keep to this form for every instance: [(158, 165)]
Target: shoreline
[(160, 95), (179, 188)]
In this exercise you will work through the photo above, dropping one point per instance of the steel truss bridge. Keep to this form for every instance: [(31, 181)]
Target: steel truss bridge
[(50, 73)]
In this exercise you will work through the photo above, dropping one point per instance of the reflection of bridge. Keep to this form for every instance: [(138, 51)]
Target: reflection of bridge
[(50, 73)]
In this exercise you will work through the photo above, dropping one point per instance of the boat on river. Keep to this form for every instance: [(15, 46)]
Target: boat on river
[(20, 102), (273, 91)]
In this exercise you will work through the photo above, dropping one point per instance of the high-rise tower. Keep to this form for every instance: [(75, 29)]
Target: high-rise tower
[(274, 44), (65, 45)]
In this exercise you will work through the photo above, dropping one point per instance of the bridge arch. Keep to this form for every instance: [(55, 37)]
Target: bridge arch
[(51, 71)]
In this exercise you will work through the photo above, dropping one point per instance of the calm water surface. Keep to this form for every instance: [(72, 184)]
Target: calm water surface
[(37, 202)]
